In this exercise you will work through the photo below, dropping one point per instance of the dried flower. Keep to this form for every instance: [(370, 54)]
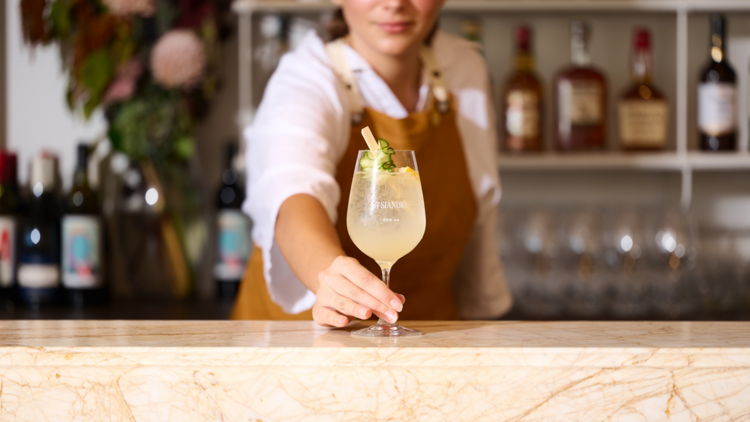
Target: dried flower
[(178, 59), (123, 85), (131, 7)]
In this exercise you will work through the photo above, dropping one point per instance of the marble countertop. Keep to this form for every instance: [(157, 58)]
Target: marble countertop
[(460, 342), (297, 371), (452, 334)]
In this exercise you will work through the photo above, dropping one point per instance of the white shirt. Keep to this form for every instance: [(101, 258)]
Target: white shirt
[(301, 130)]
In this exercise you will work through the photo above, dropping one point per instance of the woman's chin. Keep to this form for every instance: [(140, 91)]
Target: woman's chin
[(397, 46)]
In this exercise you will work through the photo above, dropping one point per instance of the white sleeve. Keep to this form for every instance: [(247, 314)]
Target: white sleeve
[(298, 135)]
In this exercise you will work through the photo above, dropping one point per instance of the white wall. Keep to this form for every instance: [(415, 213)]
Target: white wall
[(37, 116)]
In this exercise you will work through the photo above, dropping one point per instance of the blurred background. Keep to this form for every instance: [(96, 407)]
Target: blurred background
[(623, 152)]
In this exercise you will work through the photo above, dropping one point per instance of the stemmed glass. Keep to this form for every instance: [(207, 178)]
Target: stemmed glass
[(386, 218)]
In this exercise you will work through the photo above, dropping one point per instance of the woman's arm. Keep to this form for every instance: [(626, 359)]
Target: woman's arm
[(343, 288)]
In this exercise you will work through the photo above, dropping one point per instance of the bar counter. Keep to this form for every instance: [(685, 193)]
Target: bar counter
[(297, 371)]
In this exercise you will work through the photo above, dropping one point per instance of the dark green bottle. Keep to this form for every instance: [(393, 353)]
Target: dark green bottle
[(10, 212), (39, 235), (81, 263), (232, 231)]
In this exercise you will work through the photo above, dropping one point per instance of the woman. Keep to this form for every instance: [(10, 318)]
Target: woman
[(421, 90)]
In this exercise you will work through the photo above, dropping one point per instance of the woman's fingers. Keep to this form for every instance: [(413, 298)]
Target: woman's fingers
[(359, 275), (343, 287), (347, 306), (328, 317)]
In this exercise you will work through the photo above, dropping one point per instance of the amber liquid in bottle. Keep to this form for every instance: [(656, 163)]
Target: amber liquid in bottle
[(717, 96), (522, 97), (580, 98), (642, 110)]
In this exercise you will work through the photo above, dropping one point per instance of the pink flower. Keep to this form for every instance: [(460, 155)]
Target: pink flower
[(178, 59), (123, 85), (131, 7)]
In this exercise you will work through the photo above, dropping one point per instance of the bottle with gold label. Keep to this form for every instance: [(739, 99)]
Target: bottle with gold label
[(642, 110), (581, 97), (522, 97)]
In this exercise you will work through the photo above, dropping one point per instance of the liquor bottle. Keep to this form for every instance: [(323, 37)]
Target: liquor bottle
[(233, 231), (642, 109), (10, 212), (523, 99), (717, 95), (581, 98), (81, 247), (39, 247)]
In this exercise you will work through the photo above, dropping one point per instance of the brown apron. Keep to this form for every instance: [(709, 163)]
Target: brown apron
[(424, 276)]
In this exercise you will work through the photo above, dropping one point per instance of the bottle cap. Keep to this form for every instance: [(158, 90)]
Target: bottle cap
[(8, 167), (43, 171), (82, 156), (579, 29), (717, 23), (523, 37), (471, 30), (230, 150), (642, 39)]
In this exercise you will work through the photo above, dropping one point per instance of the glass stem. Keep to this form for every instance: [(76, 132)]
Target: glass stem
[(386, 276), (385, 267)]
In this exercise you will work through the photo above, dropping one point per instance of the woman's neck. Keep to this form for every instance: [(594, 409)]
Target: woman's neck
[(401, 73)]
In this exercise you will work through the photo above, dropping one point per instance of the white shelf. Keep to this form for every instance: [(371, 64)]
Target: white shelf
[(719, 161), (658, 161), (250, 6), (591, 161)]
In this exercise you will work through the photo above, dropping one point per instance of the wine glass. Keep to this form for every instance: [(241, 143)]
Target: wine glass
[(386, 218)]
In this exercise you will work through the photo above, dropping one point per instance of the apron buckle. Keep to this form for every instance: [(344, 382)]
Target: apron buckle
[(357, 118), (443, 106)]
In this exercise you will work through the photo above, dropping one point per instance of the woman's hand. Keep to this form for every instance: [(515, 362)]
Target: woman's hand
[(346, 289)]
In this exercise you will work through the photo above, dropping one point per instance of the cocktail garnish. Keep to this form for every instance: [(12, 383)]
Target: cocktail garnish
[(380, 160)]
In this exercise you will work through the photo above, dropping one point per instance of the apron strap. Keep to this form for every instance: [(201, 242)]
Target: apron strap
[(341, 68), (437, 83)]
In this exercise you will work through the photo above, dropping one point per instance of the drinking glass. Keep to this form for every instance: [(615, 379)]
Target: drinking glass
[(386, 218)]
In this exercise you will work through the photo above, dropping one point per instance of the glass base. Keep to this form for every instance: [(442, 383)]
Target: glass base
[(386, 329)]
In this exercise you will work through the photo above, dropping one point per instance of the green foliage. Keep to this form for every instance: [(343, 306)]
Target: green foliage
[(153, 125), (59, 17), (96, 74), (147, 122)]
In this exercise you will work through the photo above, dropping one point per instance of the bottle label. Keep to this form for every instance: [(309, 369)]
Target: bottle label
[(81, 239), (233, 245), (522, 114), (643, 123), (717, 111), (581, 102), (7, 251), (38, 276)]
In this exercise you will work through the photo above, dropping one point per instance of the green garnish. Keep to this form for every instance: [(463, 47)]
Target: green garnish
[(381, 160)]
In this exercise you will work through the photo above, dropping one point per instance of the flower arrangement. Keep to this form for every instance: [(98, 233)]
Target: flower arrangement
[(151, 66)]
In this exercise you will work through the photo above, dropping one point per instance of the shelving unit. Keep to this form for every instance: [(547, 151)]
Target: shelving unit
[(680, 159), (656, 161)]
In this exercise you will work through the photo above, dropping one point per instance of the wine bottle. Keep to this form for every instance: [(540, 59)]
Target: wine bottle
[(717, 95), (643, 112), (39, 248), (233, 231), (581, 97), (523, 99), (82, 239), (10, 212)]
